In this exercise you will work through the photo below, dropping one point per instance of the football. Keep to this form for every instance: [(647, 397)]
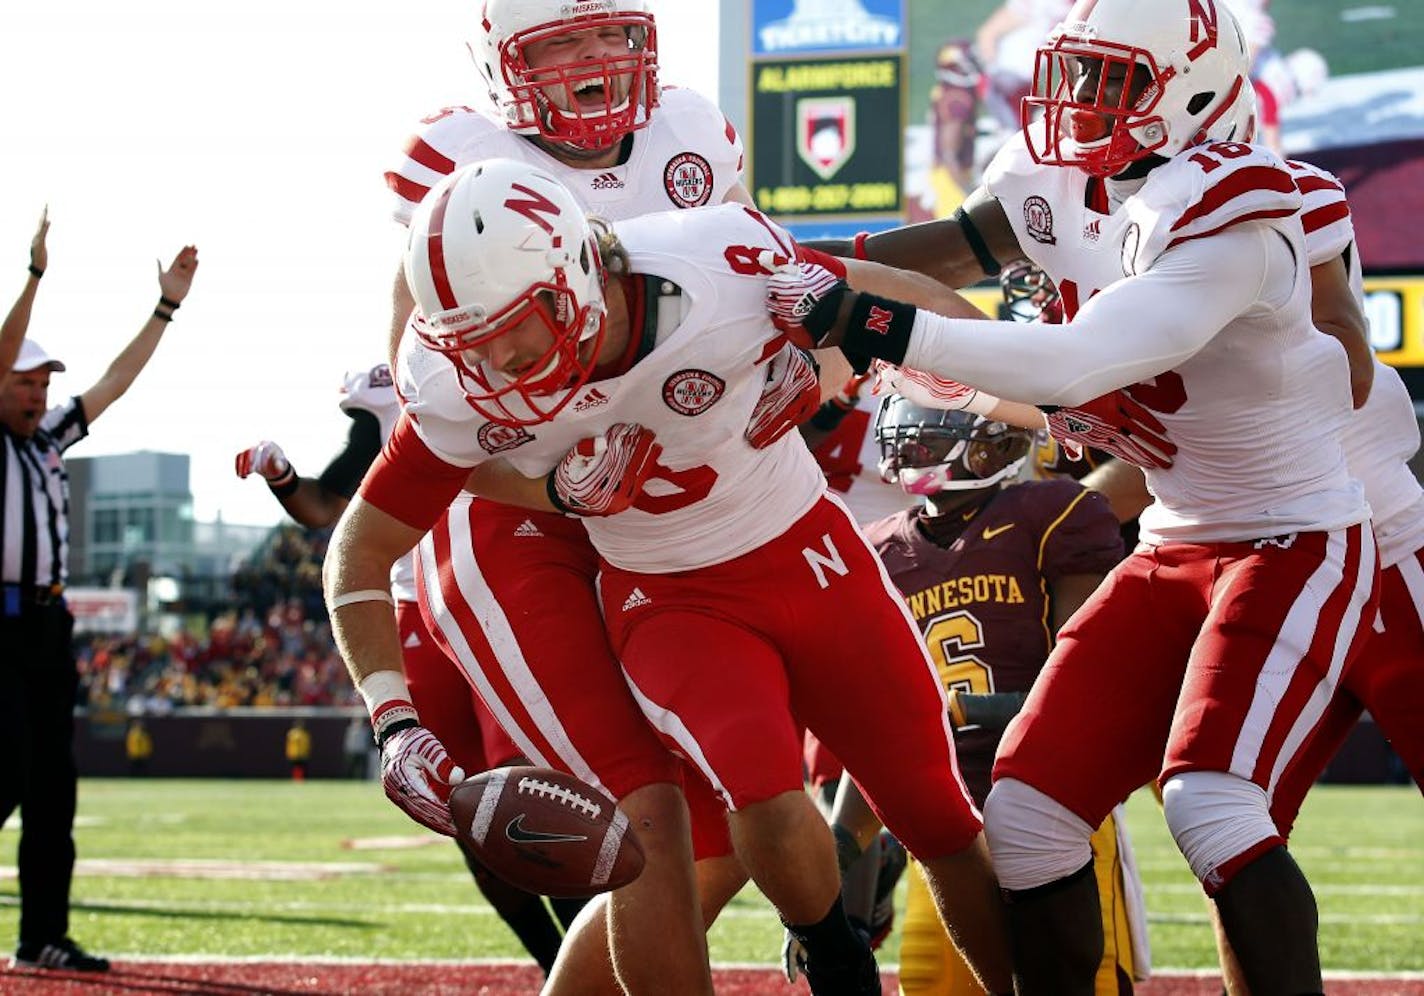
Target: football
[(546, 832)]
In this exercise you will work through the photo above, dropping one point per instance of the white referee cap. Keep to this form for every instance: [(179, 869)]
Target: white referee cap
[(33, 356)]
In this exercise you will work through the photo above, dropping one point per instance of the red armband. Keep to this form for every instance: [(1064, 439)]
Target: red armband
[(409, 482), (858, 247)]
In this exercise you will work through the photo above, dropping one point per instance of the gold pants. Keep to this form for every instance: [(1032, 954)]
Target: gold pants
[(930, 965)]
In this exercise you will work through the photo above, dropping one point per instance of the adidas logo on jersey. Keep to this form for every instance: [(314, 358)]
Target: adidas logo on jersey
[(1093, 230), (636, 599), (592, 399), (607, 181), (413, 640), (527, 528)]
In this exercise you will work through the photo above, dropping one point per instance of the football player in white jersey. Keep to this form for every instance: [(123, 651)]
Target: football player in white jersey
[(1381, 437), (576, 93), (1179, 254), (735, 590), (439, 690)]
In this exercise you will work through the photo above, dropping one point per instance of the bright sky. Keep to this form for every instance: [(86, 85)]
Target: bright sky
[(258, 132)]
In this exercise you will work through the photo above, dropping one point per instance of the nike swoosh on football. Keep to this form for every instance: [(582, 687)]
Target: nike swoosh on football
[(516, 832), (991, 533)]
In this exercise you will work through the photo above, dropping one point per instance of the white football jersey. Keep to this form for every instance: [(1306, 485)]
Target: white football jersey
[(713, 496), (373, 390), (687, 156), (1379, 441), (1236, 408), (1381, 437)]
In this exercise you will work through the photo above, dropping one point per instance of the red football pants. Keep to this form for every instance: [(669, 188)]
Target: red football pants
[(1388, 680), (1211, 657), (445, 700), (509, 595), (725, 659)]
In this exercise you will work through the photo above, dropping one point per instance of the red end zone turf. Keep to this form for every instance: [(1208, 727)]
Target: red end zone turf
[(235, 978)]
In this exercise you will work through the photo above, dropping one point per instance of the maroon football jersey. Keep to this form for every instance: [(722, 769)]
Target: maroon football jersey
[(983, 604)]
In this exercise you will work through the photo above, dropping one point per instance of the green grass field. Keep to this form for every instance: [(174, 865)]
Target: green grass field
[(1363, 849)]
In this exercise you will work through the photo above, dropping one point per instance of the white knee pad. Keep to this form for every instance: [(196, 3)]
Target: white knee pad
[(1033, 839), (1214, 817)]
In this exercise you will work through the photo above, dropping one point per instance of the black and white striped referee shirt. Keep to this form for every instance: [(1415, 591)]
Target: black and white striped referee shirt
[(34, 540)]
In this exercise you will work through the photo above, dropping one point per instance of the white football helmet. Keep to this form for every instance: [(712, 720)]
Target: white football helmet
[(1119, 80), (586, 102), (929, 450), (492, 245)]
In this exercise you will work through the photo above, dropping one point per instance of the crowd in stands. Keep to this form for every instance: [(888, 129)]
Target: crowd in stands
[(272, 647)]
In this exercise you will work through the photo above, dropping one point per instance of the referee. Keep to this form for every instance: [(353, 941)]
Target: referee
[(38, 676)]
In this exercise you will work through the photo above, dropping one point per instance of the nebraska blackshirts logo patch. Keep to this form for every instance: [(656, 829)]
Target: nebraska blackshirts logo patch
[(692, 392), (688, 179), (1038, 220), (496, 438)]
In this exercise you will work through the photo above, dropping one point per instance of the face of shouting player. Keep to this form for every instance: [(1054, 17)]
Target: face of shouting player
[(573, 64)]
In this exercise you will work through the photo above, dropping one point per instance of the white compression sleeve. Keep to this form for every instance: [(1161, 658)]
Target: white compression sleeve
[(1130, 332)]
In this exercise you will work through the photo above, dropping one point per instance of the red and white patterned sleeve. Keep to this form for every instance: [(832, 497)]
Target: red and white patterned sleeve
[(1324, 212), (428, 156)]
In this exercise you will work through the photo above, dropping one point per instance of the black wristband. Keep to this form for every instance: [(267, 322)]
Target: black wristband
[(830, 415), (554, 498), (285, 485), (877, 328), (161, 315), (169, 303), (977, 245), (394, 728), (35, 271), (822, 317)]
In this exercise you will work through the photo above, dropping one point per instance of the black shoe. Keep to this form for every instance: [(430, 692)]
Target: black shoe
[(64, 955), (858, 978)]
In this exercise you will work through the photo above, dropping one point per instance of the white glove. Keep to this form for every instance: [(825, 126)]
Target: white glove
[(793, 956), (793, 294), (791, 395), (266, 459), (603, 475), (1118, 423), (929, 391), (418, 775)]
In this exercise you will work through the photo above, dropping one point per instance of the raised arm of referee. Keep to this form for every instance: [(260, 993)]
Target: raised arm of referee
[(38, 677)]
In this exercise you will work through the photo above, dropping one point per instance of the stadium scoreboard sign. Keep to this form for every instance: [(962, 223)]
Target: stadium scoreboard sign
[(827, 137), (1394, 306), (827, 89)]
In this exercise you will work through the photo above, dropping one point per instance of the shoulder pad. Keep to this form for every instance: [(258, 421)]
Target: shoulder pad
[(1201, 192), (443, 141), (1012, 159), (701, 125), (1324, 212), (370, 390), (437, 409)]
